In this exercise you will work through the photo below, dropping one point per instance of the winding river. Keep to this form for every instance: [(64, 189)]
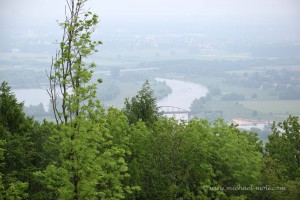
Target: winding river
[(182, 96)]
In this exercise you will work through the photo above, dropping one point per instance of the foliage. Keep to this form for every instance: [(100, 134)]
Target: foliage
[(69, 75), (135, 153), (185, 161), (90, 165), (105, 157), (11, 113), (13, 138), (282, 159), (22, 148), (142, 107), (284, 146)]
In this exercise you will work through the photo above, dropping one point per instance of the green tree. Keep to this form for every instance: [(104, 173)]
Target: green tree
[(282, 160), (13, 135), (11, 112), (70, 75), (284, 146), (237, 159), (142, 107), (90, 165), (174, 160), (21, 148)]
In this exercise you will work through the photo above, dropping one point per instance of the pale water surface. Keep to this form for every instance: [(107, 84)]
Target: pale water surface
[(183, 93)]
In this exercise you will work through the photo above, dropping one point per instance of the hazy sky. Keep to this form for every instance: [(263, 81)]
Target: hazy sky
[(122, 12), (200, 7), (155, 9)]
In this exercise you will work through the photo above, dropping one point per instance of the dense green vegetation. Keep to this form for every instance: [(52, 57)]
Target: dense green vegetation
[(164, 159), (143, 106)]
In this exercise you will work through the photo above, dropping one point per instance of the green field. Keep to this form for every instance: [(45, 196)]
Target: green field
[(280, 106), (273, 110)]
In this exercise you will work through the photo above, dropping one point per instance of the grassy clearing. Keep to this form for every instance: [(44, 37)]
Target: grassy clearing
[(280, 106)]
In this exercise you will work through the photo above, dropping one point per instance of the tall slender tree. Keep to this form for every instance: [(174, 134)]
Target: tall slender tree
[(70, 74), (90, 165)]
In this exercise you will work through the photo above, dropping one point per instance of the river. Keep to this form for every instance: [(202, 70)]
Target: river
[(183, 93), (182, 96)]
